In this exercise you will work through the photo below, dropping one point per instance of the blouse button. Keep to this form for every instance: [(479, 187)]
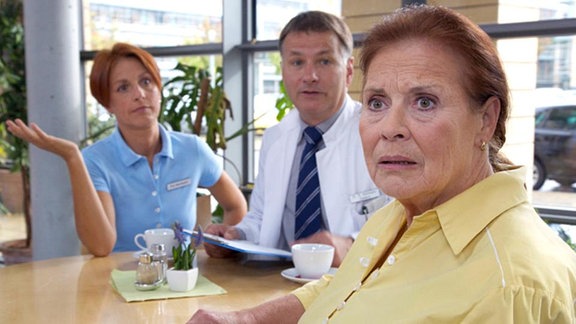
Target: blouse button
[(357, 287), (341, 305), (157, 210), (365, 262), (156, 176), (391, 260), (374, 274), (154, 193), (372, 240)]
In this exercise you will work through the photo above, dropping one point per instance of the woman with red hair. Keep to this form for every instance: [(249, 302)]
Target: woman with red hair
[(143, 175)]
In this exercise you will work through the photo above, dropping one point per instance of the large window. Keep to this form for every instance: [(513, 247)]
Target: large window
[(272, 15), (554, 155), (537, 43), (151, 23)]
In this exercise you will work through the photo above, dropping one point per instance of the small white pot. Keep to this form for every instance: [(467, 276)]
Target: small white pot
[(182, 280)]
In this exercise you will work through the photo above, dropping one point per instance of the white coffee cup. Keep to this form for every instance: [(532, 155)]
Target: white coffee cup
[(156, 236), (312, 260)]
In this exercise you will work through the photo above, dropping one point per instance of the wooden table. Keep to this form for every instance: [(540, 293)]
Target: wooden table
[(77, 290)]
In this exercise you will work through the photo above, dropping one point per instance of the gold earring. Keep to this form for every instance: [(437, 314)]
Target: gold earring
[(483, 146)]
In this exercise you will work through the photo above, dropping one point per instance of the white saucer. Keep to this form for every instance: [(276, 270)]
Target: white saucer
[(292, 275)]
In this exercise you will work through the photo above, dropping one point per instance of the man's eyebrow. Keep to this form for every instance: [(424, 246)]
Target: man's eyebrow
[(378, 90)]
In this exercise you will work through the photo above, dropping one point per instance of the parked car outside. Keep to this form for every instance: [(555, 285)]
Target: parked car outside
[(555, 145)]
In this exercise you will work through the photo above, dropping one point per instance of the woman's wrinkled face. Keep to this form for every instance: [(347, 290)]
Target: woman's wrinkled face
[(420, 135), (134, 97)]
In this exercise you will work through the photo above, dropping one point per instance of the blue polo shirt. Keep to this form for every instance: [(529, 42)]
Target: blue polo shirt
[(149, 198)]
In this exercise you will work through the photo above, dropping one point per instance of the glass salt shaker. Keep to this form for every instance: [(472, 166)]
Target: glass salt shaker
[(147, 277), (159, 256)]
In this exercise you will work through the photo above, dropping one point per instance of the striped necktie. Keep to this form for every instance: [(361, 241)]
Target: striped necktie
[(308, 205)]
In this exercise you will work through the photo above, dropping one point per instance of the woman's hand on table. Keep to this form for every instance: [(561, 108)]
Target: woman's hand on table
[(286, 309), (207, 317)]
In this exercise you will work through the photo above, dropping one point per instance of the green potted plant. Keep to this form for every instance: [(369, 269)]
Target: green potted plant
[(184, 274), (13, 105)]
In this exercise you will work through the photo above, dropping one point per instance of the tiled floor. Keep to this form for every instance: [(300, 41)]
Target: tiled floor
[(12, 227)]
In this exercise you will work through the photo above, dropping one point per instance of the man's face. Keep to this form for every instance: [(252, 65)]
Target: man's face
[(315, 74)]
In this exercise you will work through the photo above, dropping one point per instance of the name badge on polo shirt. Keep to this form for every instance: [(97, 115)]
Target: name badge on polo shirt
[(361, 196), (178, 184)]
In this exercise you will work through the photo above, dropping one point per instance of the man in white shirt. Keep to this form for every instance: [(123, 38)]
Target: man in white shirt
[(317, 66)]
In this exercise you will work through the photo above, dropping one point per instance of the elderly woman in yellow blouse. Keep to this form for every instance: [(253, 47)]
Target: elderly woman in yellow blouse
[(461, 243)]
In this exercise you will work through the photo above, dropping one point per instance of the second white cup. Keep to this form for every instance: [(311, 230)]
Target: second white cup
[(156, 236), (312, 260)]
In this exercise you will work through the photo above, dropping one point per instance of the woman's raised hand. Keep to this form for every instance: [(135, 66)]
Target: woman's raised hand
[(35, 135)]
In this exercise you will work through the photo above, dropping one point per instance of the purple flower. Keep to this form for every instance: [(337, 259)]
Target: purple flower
[(184, 253), (178, 233), (198, 239)]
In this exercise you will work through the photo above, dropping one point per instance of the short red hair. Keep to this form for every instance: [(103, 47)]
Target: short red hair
[(105, 61)]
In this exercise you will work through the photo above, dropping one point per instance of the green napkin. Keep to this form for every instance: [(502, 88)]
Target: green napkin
[(123, 283)]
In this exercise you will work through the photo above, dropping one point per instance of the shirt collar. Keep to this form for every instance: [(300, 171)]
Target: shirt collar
[(129, 157), (325, 125), (166, 143), (467, 214)]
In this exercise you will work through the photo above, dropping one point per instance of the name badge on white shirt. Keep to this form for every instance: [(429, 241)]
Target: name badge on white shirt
[(178, 184), (361, 196)]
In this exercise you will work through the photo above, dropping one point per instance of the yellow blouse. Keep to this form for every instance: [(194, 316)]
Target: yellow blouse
[(485, 256)]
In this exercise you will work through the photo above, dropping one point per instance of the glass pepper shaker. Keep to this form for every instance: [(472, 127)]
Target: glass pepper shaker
[(160, 257), (147, 277)]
